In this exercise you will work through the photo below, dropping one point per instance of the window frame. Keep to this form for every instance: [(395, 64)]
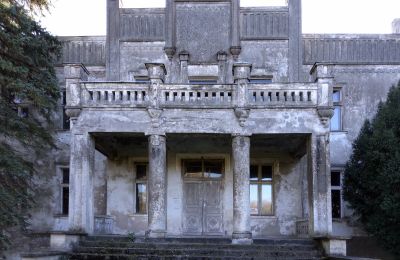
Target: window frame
[(338, 188), (183, 161), (141, 181), (203, 80), (337, 104), (259, 79), (65, 121), (62, 186), (259, 183)]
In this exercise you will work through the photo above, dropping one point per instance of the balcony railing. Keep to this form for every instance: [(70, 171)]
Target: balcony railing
[(120, 94)]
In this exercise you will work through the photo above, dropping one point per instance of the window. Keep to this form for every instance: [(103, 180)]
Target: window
[(203, 168), (65, 118), (336, 194), (142, 79), (336, 120), (260, 80), (261, 190), (202, 80), (141, 188), (64, 191)]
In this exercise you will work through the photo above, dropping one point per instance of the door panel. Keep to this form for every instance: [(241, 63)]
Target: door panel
[(193, 208), (203, 208)]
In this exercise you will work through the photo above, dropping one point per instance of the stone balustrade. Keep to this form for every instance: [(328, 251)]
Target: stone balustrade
[(197, 95), (99, 94), (283, 95), (121, 94)]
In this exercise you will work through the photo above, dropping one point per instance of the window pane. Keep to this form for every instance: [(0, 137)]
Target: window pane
[(253, 172), (203, 82), (141, 198), (254, 199), (335, 120), (193, 169), (335, 178), (266, 172), (65, 177), (336, 203), (260, 80), (266, 203), (336, 96), (213, 168), (141, 171), (65, 200)]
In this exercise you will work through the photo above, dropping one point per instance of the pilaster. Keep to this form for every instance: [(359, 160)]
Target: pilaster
[(156, 73), (74, 74), (157, 213), (295, 41), (241, 190), (112, 40), (183, 60), (241, 74), (170, 47), (322, 74), (222, 60), (235, 48)]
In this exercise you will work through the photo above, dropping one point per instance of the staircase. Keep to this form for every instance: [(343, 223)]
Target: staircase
[(123, 247)]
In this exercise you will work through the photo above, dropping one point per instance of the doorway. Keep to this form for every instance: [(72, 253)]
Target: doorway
[(202, 202)]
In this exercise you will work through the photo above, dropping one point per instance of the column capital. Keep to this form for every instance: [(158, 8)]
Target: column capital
[(241, 70), (184, 56), (156, 71)]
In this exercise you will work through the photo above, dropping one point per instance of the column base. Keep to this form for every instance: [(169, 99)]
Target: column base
[(334, 245), (242, 238), (65, 240), (156, 234)]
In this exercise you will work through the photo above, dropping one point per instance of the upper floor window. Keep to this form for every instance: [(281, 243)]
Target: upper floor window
[(65, 118), (64, 191), (202, 80), (260, 80), (336, 193), (336, 120), (141, 79), (261, 190)]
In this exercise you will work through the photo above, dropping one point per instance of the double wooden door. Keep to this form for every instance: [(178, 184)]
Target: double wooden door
[(203, 212)]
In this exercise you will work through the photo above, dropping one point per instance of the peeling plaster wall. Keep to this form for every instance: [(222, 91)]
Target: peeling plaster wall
[(269, 58), (288, 178)]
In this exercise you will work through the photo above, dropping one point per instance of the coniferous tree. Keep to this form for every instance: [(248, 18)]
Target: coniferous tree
[(372, 175), (27, 80)]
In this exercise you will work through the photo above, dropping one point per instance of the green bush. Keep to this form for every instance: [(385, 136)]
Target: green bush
[(372, 175)]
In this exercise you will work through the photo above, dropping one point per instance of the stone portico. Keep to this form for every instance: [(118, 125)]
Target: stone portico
[(163, 125)]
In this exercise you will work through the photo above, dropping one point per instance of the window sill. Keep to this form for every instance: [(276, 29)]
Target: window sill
[(60, 216), (137, 215), (339, 131), (264, 217)]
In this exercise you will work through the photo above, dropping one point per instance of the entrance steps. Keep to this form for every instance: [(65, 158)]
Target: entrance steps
[(123, 247)]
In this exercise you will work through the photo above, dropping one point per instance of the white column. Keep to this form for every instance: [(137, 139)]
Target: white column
[(157, 189), (320, 221), (81, 206), (241, 190)]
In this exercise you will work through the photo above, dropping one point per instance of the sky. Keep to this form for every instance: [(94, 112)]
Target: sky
[(88, 17)]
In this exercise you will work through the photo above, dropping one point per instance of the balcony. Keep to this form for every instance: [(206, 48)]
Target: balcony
[(133, 95)]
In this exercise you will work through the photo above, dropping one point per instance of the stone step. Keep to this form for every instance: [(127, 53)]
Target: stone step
[(193, 257), (201, 240), (123, 247), (193, 251), (196, 245)]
